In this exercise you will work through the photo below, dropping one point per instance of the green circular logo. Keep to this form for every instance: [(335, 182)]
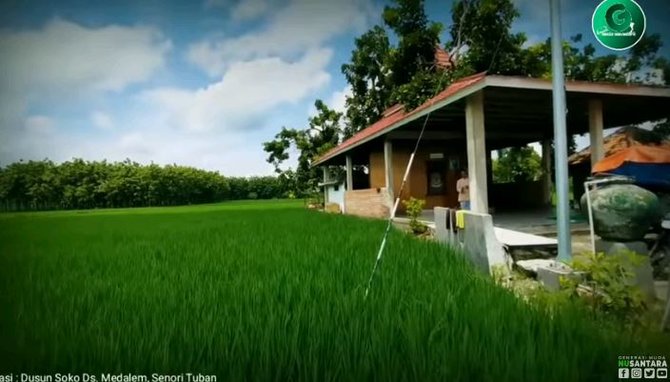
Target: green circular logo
[(618, 24)]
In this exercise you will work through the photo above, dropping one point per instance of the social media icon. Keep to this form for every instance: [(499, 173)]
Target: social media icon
[(649, 373), (636, 373), (662, 373), (624, 373)]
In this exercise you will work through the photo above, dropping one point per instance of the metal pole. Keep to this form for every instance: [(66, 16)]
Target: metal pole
[(560, 135)]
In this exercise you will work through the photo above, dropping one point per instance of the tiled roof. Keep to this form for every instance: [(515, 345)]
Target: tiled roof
[(442, 58), (393, 118)]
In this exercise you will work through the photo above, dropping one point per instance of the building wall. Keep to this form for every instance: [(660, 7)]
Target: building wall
[(370, 202), (336, 196), (417, 184), (501, 196), (377, 171)]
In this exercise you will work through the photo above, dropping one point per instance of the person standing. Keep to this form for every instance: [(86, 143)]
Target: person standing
[(463, 189)]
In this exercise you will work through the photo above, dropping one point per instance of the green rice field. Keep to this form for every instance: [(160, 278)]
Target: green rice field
[(272, 291)]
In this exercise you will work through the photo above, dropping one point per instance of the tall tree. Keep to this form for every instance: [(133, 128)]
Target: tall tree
[(481, 36), (517, 164), (368, 76), (417, 39), (322, 134), (415, 76)]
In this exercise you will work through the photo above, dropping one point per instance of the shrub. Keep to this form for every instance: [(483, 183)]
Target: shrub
[(414, 208), (606, 285)]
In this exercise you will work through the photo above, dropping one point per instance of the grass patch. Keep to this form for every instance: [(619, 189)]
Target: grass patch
[(271, 292)]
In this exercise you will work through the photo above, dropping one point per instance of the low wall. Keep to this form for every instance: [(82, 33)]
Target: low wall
[(336, 196), (477, 240), (371, 202)]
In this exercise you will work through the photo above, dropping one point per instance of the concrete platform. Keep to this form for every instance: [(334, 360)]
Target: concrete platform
[(538, 222), (507, 237), (512, 238)]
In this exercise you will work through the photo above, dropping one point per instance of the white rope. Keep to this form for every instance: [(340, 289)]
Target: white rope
[(380, 253)]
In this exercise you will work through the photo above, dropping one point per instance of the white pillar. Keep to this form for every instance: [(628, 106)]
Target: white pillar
[(350, 174), (476, 144), (388, 167), (546, 170), (325, 188), (596, 128)]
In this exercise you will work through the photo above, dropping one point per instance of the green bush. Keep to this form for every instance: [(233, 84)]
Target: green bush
[(414, 207), (606, 285)]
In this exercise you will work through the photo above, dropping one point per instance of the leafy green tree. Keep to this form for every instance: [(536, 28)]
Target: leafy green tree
[(417, 39), (322, 134), (481, 37), (415, 76), (368, 76), (517, 164), (78, 184), (582, 64)]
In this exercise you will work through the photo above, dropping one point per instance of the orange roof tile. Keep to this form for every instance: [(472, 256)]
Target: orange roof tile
[(442, 58)]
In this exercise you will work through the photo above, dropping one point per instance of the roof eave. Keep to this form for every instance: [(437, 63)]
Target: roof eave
[(517, 83), (578, 86), (475, 87)]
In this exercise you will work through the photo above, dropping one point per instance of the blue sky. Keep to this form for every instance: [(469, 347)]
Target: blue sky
[(200, 83)]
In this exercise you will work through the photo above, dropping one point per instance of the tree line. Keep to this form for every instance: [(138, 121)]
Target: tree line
[(79, 184)]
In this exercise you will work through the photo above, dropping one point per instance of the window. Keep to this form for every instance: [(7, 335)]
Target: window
[(436, 177)]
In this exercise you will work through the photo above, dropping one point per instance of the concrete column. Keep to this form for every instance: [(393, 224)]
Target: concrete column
[(596, 128), (325, 188), (546, 171), (489, 173), (388, 168), (350, 173), (476, 145)]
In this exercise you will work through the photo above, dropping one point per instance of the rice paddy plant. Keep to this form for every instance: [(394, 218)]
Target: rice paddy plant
[(272, 293)]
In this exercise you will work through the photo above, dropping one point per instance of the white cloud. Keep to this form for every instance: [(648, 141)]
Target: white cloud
[(20, 142), (66, 57), (63, 63), (250, 9), (102, 120), (244, 94), (338, 99), (301, 25), (231, 155), (219, 126)]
